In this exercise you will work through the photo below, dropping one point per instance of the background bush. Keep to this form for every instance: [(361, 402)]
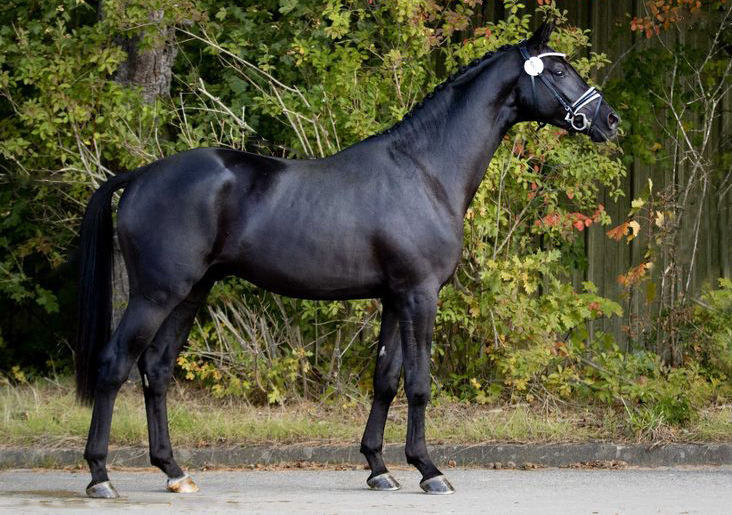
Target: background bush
[(308, 79)]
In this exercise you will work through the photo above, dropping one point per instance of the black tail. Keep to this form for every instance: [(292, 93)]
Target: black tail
[(95, 284)]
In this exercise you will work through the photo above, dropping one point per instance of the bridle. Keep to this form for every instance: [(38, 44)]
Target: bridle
[(534, 67)]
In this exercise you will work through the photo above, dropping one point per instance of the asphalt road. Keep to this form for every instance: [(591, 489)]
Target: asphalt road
[(550, 491)]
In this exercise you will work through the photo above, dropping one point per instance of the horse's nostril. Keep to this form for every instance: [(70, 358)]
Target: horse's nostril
[(613, 120)]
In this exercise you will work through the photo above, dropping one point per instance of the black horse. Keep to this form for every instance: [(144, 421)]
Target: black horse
[(381, 219)]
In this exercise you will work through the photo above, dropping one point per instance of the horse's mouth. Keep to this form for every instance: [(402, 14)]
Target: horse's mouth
[(599, 135), (595, 133)]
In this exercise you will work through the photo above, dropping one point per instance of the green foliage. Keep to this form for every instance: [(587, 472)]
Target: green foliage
[(65, 126), (708, 331), (311, 78)]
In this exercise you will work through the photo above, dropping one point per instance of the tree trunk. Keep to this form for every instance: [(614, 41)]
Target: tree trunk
[(148, 67)]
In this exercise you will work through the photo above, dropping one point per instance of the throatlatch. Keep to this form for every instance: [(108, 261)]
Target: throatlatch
[(534, 67)]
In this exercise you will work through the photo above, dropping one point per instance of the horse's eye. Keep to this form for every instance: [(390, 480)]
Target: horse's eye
[(559, 73)]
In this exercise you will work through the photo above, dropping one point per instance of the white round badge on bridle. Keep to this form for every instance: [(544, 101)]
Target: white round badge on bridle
[(533, 66)]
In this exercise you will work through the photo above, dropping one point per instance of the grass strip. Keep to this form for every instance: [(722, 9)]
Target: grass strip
[(46, 414)]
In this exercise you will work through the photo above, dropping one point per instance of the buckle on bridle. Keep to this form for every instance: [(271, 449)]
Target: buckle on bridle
[(571, 117)]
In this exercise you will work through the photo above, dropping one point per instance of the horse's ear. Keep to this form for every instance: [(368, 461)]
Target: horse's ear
[(542, 35)]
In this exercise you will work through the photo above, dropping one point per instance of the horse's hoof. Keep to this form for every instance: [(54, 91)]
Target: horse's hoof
[(183, 485), (383, 482), (438, 485), (103, 490)]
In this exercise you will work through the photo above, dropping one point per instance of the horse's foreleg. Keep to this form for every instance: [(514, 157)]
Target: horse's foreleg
[(135, 331), (417, 311), (386, 382), (156, 369)]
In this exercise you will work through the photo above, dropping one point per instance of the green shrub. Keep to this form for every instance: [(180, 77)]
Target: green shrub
[(708, 334)]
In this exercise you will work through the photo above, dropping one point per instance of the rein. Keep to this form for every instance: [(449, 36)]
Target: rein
[(534, 67)]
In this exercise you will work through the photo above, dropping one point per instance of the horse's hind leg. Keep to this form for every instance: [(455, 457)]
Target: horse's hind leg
[(156, 368), (141, 321), (386, 382)]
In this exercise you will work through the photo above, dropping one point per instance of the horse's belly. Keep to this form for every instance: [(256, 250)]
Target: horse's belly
[(299, 282), (309, 269)]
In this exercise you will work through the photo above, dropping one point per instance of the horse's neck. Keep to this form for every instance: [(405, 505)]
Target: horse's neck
[(474, 120)]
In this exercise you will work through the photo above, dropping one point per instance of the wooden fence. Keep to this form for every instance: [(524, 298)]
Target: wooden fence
[(609, 22)]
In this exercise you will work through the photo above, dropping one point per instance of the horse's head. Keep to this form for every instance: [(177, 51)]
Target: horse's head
[(551, 91)]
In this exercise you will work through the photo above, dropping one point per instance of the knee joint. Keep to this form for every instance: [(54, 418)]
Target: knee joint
[(155, 381), (111, 377), (386, 391), (419, 397)]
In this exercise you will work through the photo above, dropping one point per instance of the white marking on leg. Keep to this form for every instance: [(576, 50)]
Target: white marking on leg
[(145, 381), (382, 352)]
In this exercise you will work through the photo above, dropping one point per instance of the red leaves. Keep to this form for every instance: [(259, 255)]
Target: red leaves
[(598, 213), (565, 222), (483, 31), (634, 275), (621, 230), (645, 25), (663, 13), (580, 221), (550, 220), (618, 232)]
